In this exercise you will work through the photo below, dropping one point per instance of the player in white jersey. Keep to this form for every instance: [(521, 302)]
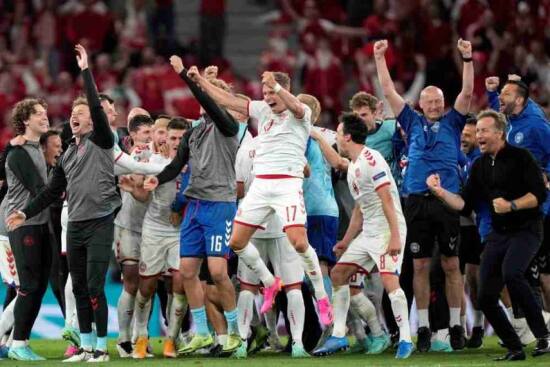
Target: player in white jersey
[(273, 246), (375, 238), (283, 128), (128, 223), (8, 270), (159, 249)]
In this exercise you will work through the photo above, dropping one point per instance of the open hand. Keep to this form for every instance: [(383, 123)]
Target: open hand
[(394, 246), (268, 79), (150, 183), (15, 219), (81, 57)]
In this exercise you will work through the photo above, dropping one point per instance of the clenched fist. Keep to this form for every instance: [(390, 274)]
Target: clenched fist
[(176, 63), (465, 48), (380, 48), (491, 83), (194, 74)]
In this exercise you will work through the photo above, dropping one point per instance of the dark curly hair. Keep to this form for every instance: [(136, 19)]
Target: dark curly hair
[(22, 111)]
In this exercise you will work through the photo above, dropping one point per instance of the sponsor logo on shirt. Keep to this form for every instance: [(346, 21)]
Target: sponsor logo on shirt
[(379, 176)]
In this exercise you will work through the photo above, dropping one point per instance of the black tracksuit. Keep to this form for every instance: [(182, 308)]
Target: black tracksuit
[(514, 240)]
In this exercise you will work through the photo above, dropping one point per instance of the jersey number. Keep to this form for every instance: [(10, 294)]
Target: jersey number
[(289, 209), (216, 243), (382, 262)]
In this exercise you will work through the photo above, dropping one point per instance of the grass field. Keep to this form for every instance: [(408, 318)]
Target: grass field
[(53, 350)]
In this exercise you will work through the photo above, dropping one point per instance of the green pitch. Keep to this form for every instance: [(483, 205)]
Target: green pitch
[(53, 350)]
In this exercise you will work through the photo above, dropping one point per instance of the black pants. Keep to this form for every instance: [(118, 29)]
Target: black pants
[(88, 250), (503, 262), (32, 252), (57, 281)]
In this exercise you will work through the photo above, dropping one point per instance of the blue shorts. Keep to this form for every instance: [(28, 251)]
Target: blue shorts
[(206, 228), (322, 233)]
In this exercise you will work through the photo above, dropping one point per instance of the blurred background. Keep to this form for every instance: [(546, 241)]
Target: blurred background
[(325, 45)]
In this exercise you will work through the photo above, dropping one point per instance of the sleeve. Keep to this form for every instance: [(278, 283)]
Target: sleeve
[(407, 118), (223, 120), (457, 119), (307, 115), (102, 135), (544, 139), (532, 176), (21, 164), (494, 103), (470, 191), (172, 170), (3, 158), (375, 170), (51, 193), (125, 165), (180, 200), (256, 109)]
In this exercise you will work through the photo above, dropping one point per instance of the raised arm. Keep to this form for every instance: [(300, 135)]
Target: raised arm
[(223, 120), (332, 156), (491, 85), (220, 96), (102, 135), (462, 103), (453, 201), (125, 165), (395, 101), (291, 102)]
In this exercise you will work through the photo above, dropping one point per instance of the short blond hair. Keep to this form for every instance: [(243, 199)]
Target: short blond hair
[(313, 104), (80, 100), (221, 84), (162, 122), (363, 99)]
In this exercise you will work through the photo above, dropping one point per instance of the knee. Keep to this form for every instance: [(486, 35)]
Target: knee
[(188, 274), (338, 276), (421, 266), (513, 278), (219, 276), (95, 291), (131, 288), (450, 265)]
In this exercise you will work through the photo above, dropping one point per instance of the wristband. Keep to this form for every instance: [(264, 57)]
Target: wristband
[(277, 88), (513, 206), (467, 59)]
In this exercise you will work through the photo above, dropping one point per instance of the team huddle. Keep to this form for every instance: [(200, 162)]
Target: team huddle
[(239, 208)]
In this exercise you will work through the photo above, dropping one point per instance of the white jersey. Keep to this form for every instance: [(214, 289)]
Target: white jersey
[(132, 212), (367, 174), (244, 170), (157, 217), (283, 140)]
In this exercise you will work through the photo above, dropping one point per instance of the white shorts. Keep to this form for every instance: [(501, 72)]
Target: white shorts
[(159, 255), (283, 257), (283, 196), (367, 253), (7, 264), (64, 224), (126, 245)]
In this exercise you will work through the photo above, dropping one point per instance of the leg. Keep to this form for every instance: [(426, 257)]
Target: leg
[(340, 277)]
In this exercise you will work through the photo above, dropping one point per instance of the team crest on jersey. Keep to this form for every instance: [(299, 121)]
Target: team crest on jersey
[(415, 247), (357, 172), (518, 138), (28, 240), (435, 127)]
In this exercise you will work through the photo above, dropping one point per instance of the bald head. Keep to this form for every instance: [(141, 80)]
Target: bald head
[(136, 111), (432, 103)]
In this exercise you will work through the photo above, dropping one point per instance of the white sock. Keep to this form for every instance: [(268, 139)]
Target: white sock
[(366, 310), (141, 313), (245, 306), (125, 309), (341, 301), (510, 312), (7, 318), (454, 316), (463, 321), (479, 318), (222, 339), (401, 313), (177, 311), (296, 315), (355, 325), (310, 262), (423, 318), (71, 319), (18, 343), (251, 258)]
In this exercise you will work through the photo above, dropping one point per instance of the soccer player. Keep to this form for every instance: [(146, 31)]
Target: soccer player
[(284, 124), (159, 249), (128, 224), (30, 242), (274, 246), (434, 139), (210, 149), (381, 243), (86, 171)]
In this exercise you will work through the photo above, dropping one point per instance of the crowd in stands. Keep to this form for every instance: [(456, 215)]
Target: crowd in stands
[(326, 45)]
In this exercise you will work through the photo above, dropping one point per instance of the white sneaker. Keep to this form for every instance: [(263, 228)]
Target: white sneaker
[(124, 349), (99, 356), (81, 356)]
